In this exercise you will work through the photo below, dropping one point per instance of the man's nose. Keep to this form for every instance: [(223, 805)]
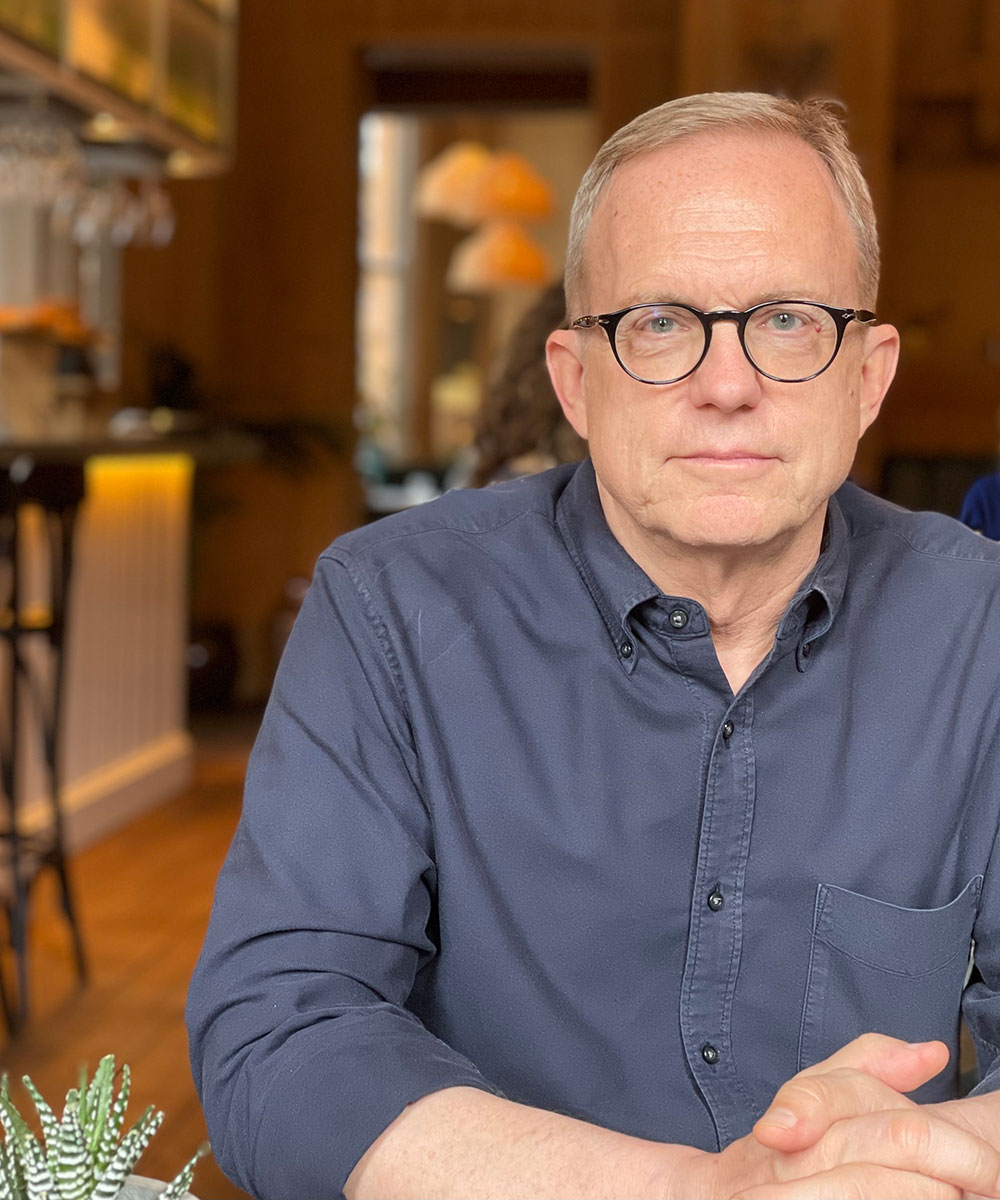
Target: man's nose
[(726, 378)]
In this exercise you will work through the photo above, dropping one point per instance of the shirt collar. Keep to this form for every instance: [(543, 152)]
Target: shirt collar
[(617, 583), (615, 580)]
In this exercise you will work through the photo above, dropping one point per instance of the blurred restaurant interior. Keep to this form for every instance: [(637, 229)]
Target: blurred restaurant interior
[(250, 298)]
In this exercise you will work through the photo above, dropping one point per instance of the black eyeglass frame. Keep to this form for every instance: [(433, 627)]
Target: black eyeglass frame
[(609, 322)]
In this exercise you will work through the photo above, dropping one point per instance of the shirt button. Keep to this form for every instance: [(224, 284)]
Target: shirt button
[(806, 649), (716, 900), (727, 730), (678, 618), (626, 649), (710, 1054)]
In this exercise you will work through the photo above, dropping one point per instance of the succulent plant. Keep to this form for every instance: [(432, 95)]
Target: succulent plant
[(82, 1155)]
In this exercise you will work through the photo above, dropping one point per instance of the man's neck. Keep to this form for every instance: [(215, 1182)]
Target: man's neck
[(744, 590)]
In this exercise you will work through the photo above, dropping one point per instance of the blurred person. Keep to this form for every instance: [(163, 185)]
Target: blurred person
[(625, 830), (981, 504), (520, 427)]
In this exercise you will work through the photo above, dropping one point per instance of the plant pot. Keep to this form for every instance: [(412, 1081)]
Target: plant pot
[(138, 1187)]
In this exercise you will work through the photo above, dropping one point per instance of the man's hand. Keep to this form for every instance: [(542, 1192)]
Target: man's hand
[(843, 1128), (848, 1132)]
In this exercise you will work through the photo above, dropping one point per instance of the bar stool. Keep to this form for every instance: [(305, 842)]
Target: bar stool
[(33, 706)]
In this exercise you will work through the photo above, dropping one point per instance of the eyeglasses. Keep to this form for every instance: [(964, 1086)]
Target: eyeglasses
[(789, 341)]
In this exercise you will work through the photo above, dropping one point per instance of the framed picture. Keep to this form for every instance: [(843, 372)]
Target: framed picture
[(199, 48), (111, 41), (36, 21), (222, 8)]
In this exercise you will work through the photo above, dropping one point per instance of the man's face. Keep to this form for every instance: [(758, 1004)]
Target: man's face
[(725, 457)]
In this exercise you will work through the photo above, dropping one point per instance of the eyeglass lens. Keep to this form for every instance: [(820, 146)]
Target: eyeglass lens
[(660, 343)]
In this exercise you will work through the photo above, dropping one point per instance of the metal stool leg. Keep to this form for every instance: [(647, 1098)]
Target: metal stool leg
[(61, 530), (57, 494)]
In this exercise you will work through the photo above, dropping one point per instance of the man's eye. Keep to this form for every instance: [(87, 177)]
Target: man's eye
[(660, 325), (785, 321)]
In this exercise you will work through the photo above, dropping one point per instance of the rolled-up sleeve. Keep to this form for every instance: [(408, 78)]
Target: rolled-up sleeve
[(302, 1047)]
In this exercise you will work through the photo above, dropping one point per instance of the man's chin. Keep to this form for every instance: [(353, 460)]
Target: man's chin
[(731, 521)]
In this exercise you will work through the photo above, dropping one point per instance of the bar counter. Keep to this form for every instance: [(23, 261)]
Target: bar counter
[(124, 739)]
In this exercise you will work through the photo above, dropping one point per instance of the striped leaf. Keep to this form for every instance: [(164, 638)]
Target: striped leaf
[(12, 1169), (12, 1185), (72, 1167), (48, 1119), (14, 1125), (7, 1191), (96, 1103), (112, 1127), (41, 1185), (181, 1183), (127, 1155), (19, 1139)]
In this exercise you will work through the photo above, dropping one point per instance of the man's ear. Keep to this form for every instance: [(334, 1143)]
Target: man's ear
[(562, 356), (877, 370)]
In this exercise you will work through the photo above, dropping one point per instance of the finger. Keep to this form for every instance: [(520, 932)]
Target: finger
[(796, 1117), (979, 1114), (858, 1181), (910, 1139), (809, 1104)]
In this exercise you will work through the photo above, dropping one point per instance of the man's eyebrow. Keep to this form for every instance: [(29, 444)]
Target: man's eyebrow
[(652, 297), (771, 296), (795, 293), (678, 297)]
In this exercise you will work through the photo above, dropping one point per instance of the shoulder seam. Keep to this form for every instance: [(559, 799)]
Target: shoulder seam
[(954, 555), (338, 552), (352, 568)]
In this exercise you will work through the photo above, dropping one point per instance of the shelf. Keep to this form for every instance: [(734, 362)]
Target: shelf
[(163, 69)]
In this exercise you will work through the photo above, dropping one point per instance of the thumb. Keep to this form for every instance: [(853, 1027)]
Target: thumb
[(900, 1065)]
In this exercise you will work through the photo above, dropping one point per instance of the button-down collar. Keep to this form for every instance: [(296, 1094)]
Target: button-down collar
[(619, 585)]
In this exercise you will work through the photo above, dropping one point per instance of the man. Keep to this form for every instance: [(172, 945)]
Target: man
[(589, 809)]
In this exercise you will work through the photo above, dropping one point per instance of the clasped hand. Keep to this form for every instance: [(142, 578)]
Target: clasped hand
[(843, 1129)]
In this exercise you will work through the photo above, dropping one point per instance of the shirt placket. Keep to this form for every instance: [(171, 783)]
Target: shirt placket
[(716, 918)]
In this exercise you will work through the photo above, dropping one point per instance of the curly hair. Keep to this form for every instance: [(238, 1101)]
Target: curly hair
[(520, 418)]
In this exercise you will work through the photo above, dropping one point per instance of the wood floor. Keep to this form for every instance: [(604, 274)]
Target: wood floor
[(144, 896)]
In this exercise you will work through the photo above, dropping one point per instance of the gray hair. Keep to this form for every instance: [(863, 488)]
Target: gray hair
[(818, 123)]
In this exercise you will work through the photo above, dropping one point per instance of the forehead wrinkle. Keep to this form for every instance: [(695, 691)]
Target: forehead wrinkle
[(728, 206)]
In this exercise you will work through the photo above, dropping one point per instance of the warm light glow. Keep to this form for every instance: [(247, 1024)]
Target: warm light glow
[(511, 187), (467, 184), (125, 477), (501, 254), (106, 127), (449, 186), (182, 164)]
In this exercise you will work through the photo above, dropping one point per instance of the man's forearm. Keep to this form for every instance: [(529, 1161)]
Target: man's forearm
[(461, 1142), (840, 1127)]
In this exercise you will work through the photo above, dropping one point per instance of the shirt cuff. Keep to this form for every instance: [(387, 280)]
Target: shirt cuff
[(988, 1082), (322, 1107)]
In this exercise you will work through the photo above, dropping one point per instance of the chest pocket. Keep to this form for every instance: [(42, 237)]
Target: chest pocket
[(877, 967)]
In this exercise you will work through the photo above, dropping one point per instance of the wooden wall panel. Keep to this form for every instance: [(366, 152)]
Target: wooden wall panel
[(281, 276), (271, 247)]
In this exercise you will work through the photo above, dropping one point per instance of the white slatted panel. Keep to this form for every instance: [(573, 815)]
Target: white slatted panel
[(124, 717)]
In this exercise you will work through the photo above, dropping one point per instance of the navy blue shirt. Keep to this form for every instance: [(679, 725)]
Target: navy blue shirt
[(507, 826)]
